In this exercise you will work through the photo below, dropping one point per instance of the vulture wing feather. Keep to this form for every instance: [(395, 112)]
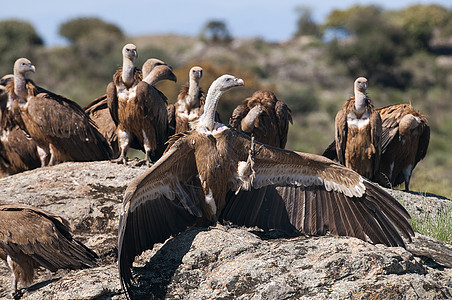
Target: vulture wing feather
[(162, 202), (336, 199)]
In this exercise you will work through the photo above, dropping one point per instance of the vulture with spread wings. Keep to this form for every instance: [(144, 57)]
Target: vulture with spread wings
[(214, 173)]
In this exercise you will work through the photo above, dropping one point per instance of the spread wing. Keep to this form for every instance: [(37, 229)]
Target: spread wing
[(307, 193), (44, 237), (160, 203), (341, 135), (284, 117)]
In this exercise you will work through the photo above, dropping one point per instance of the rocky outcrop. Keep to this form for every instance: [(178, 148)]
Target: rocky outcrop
[(221, 262)]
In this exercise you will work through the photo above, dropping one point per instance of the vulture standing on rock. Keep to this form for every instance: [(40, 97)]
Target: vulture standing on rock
[(137, 109), (405, 140), (100, 114), (215, 173), (59, 126), (263, 116), (32, 238), (358, 132), (18, 151), (189, 105)]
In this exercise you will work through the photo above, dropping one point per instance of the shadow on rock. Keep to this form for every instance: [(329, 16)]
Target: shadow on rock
[(153, 279)]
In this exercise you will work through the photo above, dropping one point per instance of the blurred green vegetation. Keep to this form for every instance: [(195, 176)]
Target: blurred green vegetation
[(406, 56)]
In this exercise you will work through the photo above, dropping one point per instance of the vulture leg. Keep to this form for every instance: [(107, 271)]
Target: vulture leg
[(43, 155), (149, 144), (52, 160), (10, 264), (124, 138), (407, 175)]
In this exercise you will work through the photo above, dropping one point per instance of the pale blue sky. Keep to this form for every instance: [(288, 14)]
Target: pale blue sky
[(271, 20)]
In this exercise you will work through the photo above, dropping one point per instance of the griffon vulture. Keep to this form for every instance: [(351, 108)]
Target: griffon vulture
[(405, 140), (58, 125), (358, 133), (138, 110), (263, 116), (154, 70), (18, 151), (214, 172), (32, 238), (189, 105)]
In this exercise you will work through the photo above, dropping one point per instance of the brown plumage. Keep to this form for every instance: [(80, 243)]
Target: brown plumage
[(405, 140), (32, 238), (263, 116), (215, 172), (138, 109), (189, 105), (18, 151), (358, 133), (59, 126), (154, 70), (99, 114)]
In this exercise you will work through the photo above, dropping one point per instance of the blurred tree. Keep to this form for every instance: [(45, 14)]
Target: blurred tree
[(355, 20), (77, 28), (374, 48), (216, 31), (419, 21), (95, 54), (305, 24), (17, 39)]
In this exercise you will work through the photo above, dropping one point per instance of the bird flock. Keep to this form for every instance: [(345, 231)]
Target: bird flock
[(201, 171)]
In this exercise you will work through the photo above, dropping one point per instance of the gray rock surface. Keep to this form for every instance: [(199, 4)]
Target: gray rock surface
[(224, 262)]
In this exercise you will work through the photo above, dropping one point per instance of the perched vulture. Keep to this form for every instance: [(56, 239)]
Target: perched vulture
[(138, 109), (405, 140), (189, 105), (263, 116), (18, 151), (59, 126), (358, 133), (214, 172), (154, 70), (32, 238)]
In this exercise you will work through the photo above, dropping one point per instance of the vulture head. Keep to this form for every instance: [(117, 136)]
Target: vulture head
[(129, 51), (159, 73), (150, 64), (225, 82), (196, 73), (360, 94), (361, 85), (216, 89), (23, 66)]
